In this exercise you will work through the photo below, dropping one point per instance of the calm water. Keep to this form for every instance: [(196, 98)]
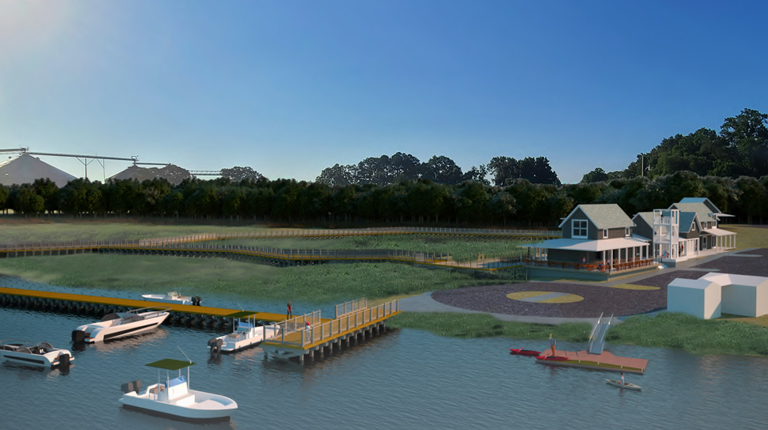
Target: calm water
[(403, 379)]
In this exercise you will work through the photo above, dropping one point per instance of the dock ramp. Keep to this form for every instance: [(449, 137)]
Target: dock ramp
[(597, 338)]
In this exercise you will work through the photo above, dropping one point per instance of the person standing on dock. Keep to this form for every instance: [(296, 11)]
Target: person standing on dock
[(552, 343), (289, 315), (622, 379)]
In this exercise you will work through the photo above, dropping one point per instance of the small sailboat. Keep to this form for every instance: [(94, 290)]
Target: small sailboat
[(246, 333), (30, 354), (173, 397), (121, 324), (626, 385)]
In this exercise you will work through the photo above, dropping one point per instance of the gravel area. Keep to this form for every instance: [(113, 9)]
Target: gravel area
[(597, 299), (664, 279), (753, 266)]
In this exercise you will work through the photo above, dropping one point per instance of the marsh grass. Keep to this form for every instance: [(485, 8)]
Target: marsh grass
[(675, 330), (481, 325), (321, 284), (58, 231), (459, 248)]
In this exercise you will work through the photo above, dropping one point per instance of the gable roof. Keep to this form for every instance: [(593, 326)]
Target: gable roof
[(603, 216), (645, 216), (686, 221), (707, 202), (702, 211)]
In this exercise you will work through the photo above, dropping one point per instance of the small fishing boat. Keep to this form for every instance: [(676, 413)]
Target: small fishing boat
[(121, 324), (626, 385), (551, 358), (170, 297), (521, 351), (174, 398), (246, 333), (40, 355)]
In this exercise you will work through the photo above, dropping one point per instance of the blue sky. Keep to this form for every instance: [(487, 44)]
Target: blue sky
[(291, 87)]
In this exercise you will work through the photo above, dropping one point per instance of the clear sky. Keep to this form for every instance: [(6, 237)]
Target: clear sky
[(292, 87)]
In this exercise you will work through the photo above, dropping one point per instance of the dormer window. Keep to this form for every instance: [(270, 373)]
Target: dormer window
[(693, 227), (579, 228), (626, 232), (605, 234)]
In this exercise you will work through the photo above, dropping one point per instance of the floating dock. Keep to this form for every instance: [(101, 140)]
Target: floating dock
[(604, 361)]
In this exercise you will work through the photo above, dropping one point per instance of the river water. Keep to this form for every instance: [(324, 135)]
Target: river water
[(401, 379)]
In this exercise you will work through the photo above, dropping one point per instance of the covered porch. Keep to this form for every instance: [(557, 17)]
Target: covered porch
[(608, 255), (719, 240)]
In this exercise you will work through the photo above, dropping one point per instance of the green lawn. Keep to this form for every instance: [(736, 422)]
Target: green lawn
[(321, 284), (748, 237), (665, 330), (458, 248)]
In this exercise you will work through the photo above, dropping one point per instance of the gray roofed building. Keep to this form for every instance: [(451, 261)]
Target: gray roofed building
[(686, 221), (702, 210), (605, 216)]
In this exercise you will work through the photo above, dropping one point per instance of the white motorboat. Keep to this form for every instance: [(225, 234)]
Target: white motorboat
[(41, 355), (626, 385), (174, 398), (246, 333), (122, 324), (171, 297)]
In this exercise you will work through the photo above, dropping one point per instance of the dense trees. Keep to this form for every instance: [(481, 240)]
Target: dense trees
[(520, 203), (740, 149), (400, 167)]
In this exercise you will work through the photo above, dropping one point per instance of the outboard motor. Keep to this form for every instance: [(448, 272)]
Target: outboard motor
[(196, 300), (64, 360), (78, 336), (132, 386), (215, 345)]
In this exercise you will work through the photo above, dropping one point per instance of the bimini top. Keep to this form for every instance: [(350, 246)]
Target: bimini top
[(241, 314), (171, 364)]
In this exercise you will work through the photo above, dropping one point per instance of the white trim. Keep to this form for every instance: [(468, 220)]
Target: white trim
[(605, 233), (588, 245), (572, 212)]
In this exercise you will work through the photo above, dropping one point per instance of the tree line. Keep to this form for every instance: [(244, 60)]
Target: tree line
[(519, 203), (739, 149), (386, 170)]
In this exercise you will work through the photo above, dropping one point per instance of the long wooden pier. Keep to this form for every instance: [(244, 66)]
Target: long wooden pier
[(201, 316), (304, 338)]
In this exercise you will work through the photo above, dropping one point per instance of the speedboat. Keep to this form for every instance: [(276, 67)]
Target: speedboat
[(122, 324), (41, 355), (169, 297), (246, 333), (174, 398), (627, 385)]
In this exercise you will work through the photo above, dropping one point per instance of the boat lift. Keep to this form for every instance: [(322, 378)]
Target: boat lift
[(597, 337)]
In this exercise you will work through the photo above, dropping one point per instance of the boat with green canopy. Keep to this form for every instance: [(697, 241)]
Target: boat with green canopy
[(173, 397)]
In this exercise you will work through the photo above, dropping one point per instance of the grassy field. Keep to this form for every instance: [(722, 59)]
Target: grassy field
[(322, 284), (458, 248), (664, 330), (39, 230), (747, 236)]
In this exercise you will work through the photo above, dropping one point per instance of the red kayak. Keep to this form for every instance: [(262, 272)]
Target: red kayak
[(550, 358), (521, 351)]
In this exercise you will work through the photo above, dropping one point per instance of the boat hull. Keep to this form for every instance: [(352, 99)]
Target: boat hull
[(626, 386), (53, 356), (103, 331), (206, 406), (236, 341), (525, 352), (166, 299)]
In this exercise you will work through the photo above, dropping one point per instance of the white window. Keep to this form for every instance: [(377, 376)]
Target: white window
[(605, 234), (693, 227), (579, 228), (626, 231)]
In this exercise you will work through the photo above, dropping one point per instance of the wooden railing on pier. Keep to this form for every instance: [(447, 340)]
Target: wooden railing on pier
[(594, 266), (296, 333)]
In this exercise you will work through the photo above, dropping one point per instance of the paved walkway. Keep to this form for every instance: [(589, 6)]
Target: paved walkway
[(425, 302)]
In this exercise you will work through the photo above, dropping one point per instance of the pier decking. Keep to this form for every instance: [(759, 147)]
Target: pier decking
[(301, 337), (605, 361)]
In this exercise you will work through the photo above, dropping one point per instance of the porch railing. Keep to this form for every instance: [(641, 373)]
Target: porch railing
[(593, 266)]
